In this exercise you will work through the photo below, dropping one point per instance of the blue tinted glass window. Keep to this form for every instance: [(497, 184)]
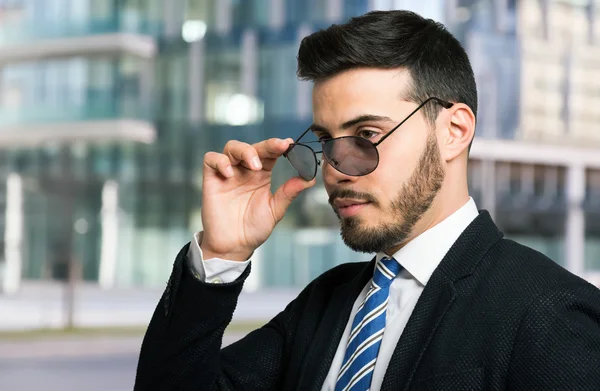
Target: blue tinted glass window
[(355, 7)]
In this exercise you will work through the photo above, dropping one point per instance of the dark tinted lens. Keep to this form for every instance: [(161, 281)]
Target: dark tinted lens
[(354, 156), (303, 159)]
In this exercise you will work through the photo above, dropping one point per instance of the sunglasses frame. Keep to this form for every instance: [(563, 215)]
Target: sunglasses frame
[(443, 103)]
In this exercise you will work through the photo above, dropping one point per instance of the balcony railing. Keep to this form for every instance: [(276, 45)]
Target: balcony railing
[(28, 31), (93, 105)]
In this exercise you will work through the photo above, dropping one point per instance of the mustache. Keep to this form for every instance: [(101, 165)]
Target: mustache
[(349, 193)]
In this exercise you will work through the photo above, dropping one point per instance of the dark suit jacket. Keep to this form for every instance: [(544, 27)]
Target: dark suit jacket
[(495, 315)]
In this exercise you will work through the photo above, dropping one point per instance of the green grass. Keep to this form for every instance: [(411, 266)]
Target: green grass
[(49, 333), (74, 332), (243, 327)]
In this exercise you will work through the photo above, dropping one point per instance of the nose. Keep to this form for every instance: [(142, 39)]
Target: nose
[(331, 176)]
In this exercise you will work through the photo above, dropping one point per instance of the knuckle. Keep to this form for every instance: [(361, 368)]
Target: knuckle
[(249, 152), (214, 158), (238, 148), (270, 142), (208, 156), (271, 145), (231, 144), (222, 160)]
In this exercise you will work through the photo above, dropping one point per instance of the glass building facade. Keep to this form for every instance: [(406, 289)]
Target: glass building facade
[(198, 73)]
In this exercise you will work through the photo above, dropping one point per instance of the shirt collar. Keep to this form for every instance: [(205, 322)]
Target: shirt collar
[(421, 256)]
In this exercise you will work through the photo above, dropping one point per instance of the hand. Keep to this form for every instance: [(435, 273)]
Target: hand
[(239, 212)]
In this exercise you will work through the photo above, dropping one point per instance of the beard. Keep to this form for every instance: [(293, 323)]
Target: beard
[(411, 203)]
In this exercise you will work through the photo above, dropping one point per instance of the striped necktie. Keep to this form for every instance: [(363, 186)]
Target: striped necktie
[(367, 330)]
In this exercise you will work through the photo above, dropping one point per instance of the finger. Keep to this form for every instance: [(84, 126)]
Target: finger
[(272, 148), (219, 163), (288, 192), (240, 152)]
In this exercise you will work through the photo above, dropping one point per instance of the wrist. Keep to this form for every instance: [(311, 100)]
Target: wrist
[(208, 253)]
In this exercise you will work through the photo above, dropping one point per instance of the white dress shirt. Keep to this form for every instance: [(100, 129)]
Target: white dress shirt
[(419, 258)]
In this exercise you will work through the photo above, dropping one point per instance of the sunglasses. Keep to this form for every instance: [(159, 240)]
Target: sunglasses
[(350, 155)]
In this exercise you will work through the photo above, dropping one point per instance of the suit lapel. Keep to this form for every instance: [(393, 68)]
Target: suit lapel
[(437, 298), (329, 333)]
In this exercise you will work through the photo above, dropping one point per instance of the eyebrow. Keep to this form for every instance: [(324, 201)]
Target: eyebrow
[(353, 122)]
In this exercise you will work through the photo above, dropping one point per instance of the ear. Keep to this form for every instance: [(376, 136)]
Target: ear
[(459, 130)]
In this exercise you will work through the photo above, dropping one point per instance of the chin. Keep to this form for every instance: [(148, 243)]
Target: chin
[(372, 236), (358, 222)]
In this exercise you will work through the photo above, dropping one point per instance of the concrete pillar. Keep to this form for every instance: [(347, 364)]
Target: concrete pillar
[(303, 88), (450, 13), (174, 11), (489, 188), (575, 229), (249, 63), (147, 85), (276, 13), (501, 8), (528, 180), (110, 234), (334, 10), (381, 5), (196, 80), (254, 282), (13, 235), (223, 16)]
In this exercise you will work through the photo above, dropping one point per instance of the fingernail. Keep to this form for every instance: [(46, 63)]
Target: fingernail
[(256, 162), (229, 172)]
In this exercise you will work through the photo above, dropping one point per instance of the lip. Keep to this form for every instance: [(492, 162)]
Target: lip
[(346, 202), (349, 208)]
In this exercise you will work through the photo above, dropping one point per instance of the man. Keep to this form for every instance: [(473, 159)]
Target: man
[(446, 304)]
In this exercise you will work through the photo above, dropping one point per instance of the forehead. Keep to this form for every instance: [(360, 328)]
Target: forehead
[(359, 90)]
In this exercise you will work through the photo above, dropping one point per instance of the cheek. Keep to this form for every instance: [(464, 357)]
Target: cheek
[(399, 158), (394, 169), (384, 185)]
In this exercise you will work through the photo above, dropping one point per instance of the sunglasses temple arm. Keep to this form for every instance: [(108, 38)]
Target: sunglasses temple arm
[(403, 121), (302, 135)]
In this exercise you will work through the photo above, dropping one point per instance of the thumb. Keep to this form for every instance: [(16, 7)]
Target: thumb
[(288, 192)]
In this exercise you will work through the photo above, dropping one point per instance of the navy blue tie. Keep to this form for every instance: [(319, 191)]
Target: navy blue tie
[(367, 330)]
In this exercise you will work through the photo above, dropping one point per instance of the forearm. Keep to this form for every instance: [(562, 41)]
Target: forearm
[(182, 343)]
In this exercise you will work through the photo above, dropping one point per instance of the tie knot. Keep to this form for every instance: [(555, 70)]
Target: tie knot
[(386, 270)]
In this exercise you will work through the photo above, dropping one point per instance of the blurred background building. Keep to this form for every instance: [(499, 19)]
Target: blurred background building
[(108, 106)]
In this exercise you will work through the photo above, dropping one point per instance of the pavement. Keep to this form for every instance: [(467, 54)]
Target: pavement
[(56, 347), (54, 361), (104, 373), (79, 346), (73, 363), (40, 305)]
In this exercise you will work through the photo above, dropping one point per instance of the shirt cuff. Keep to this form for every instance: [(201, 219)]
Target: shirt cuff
[(214, 270)]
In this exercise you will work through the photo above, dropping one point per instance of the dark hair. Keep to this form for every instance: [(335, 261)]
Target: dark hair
[(435, 59)]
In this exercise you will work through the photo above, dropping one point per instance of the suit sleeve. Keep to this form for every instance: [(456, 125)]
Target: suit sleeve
[(181, 349), (558, 344)]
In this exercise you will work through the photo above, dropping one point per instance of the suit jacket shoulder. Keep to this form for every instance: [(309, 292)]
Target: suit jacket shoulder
[(500, 315), (531, 272)]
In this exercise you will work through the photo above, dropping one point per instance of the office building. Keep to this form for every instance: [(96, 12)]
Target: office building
[(109, 106)]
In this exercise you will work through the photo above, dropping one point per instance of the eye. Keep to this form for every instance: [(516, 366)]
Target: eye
[(368, 134), (324, 137)]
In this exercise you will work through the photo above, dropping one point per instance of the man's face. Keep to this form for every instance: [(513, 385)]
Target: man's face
[(378, 211)]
